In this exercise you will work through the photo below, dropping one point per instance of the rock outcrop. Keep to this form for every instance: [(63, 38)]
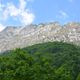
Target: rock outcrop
[(19, 37)]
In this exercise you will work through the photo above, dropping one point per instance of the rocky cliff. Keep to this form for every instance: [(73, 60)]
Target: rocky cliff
[(19, 37)]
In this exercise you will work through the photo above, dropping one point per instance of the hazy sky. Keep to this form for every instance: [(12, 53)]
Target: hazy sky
[(24, 12)]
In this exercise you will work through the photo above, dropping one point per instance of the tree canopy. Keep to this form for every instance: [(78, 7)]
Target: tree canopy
[(46, 61)]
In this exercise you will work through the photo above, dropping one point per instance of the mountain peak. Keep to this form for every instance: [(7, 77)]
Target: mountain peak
[(18, 37)]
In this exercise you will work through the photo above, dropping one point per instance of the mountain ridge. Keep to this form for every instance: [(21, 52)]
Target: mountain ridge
[(19, 37)]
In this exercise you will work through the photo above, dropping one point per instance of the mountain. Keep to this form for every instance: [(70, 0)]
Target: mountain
[(19, 37), (46, 61)]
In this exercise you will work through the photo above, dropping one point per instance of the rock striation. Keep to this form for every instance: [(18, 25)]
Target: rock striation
[(19, 37)]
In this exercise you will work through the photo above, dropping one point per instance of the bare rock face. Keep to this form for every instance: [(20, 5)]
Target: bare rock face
[(19, 37)]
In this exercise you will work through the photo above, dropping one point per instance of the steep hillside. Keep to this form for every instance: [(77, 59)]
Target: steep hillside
[(19, 37), (47, 61)]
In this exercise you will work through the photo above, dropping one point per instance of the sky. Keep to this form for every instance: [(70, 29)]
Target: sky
[(25, 12)]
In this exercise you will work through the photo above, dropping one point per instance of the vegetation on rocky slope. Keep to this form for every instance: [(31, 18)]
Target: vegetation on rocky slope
[(47, 61)]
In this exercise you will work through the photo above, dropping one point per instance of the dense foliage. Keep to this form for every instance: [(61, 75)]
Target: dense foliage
[(47, 61)]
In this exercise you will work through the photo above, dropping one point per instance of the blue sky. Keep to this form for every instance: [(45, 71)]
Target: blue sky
[(62, 11), (24, 12)]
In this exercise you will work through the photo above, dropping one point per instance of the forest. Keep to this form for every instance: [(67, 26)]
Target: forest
[(44, 61)]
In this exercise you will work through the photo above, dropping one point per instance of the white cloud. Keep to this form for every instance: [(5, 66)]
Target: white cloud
[(71, 1), (26, 17), (21, 12), (30, 0), (1, 27), (22, 4), (62, 14)]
